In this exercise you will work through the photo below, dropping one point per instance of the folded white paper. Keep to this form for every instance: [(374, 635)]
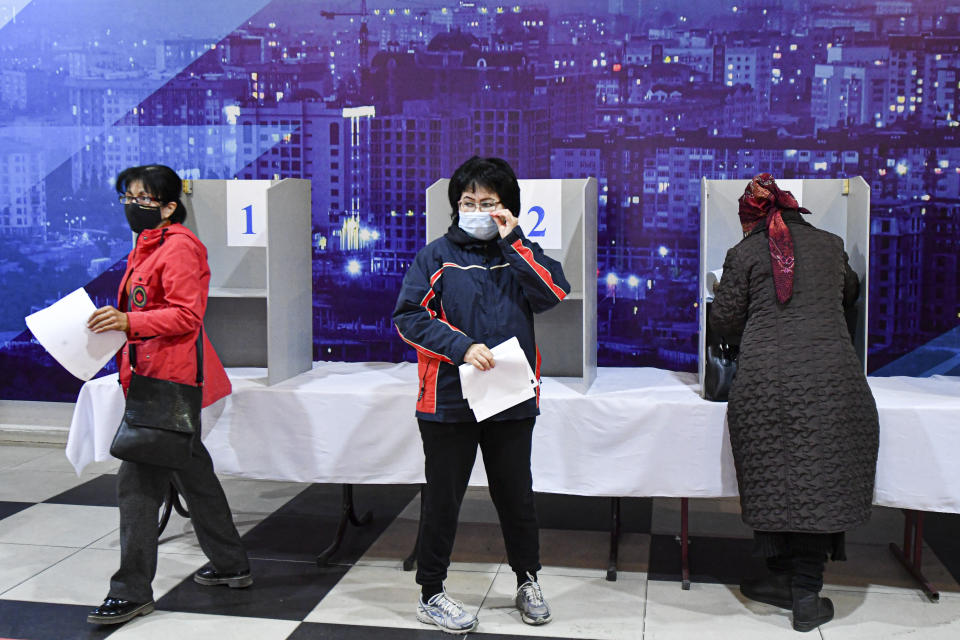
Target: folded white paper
[(510, 382), (713, 278), (62, 330)]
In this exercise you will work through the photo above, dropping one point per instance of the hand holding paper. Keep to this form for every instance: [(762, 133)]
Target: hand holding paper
[(713, 279), (497, 389), (62, 330)]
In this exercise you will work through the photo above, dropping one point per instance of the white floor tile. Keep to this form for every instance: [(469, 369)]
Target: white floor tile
[(19, 485), (20, 562), (12, 455), (163, 625), (875, 616), (871, 567), (381, 596), (711, 612), (59, 525), (84, 578), (179, 537), (576, 572), (56, 460), (582, 607)]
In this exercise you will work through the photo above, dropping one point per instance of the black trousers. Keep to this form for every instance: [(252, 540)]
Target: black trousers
[(140, 491), (802, 556), (450, 450), (804, 567)]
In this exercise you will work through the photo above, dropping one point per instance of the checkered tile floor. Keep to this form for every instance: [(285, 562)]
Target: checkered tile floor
[(59, 546)]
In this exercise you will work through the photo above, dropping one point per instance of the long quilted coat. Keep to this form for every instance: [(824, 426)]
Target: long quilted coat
[(803, 423)]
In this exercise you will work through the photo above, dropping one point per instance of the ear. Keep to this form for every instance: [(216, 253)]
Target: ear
[(168, 210)]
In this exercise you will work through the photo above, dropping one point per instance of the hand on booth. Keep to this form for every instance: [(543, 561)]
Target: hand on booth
[(479, 356), (108, 318)]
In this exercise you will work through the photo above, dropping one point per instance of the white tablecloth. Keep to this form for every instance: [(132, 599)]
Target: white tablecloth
[(636, 432)]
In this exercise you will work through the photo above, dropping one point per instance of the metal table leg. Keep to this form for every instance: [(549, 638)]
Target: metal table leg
[(685, 544), (614, 539), (911, 557), (347, 515)]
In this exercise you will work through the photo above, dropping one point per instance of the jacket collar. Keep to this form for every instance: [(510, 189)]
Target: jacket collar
[(790, 216), (153, 238), (460, 237)]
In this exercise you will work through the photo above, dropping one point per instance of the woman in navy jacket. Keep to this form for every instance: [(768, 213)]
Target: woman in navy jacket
[(478, 285)]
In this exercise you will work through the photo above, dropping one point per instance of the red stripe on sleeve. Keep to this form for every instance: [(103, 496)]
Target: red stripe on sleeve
[(540, 270), (424, 350)]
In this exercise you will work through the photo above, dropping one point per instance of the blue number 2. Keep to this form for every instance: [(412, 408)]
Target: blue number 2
[(536, 232), (249, 211)]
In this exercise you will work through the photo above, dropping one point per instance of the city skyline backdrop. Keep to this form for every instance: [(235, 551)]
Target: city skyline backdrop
[(647, 96)]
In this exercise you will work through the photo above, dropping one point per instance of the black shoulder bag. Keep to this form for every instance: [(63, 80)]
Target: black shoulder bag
[(719, 370), (161, 418)]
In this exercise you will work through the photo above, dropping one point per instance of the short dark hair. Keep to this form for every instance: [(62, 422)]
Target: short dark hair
[(159, 181), (493, 174)]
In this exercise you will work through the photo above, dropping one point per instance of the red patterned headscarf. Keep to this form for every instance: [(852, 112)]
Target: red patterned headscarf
[(763, 199)]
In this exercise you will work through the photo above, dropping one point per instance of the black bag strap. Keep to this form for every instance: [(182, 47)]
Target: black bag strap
[(132, 348)]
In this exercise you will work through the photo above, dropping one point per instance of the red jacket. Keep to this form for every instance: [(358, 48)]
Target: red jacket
[(164, 292)]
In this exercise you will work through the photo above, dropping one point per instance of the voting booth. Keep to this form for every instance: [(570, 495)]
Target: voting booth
[(257, 234), (561, 216), (840, 206)]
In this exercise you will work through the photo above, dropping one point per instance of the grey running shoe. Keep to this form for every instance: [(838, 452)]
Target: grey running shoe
[(446, 613), (533, 608)]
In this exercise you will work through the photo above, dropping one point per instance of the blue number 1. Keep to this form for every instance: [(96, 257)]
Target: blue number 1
[(249, 211), (536, 232)]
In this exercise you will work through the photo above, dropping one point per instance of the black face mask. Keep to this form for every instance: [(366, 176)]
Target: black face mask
[(141, 218)]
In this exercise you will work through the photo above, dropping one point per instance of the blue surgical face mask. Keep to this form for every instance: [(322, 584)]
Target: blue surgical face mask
[(478, 224)]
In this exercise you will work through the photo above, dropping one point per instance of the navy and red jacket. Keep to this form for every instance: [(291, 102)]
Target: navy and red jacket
[(460, 291)]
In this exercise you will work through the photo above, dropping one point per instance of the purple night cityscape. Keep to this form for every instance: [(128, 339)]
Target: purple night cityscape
[(374, 101)]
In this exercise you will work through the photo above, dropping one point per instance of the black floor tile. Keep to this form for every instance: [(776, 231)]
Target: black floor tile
[(281, 590), (317, 631), (304, 526), (716, 560), (99, 492), (583, 513), (10, 508), (47, 621)]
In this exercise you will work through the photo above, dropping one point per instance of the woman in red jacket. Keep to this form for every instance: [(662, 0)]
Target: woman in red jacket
[(164, 293)]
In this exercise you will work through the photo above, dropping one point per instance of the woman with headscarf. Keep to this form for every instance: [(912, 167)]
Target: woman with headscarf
[(802, 420)]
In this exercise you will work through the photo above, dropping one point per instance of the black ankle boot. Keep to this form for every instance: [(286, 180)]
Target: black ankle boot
[(771, 589), (810, 610)]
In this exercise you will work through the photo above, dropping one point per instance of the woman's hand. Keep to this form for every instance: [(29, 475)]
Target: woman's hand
[(505, 220), (108, 319), (479, 356)]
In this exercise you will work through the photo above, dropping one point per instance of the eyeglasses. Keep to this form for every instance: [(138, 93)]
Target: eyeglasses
[(146, 201), (469, 206)]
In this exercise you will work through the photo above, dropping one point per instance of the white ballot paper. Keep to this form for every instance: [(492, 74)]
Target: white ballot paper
[(713, 278), (62, 330), (510, 382)]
